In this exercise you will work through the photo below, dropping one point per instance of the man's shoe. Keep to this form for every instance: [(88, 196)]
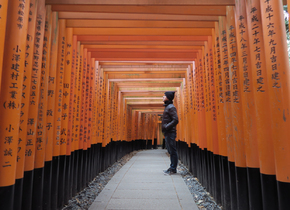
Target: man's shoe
[(169, 171)]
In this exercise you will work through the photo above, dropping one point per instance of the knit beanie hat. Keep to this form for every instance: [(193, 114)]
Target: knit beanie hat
[(170, 95)]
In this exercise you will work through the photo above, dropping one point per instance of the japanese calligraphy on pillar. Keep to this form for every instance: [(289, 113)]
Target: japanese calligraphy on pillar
[(34, 96), (205, 80), (62, 93), (82, 79), (87, 100), (11, 88), (243, 44), (58, 142), (269, 13), (225, 58), (201, 85), (72, 93), (219, 80), (212, 82), (66, 95), (233, 63), (190, 75), (197, 87), (26, 88), (77, 100), (256, 33), (42, 88)]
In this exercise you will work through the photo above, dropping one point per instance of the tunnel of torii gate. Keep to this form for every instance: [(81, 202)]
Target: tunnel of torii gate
[(82, 84)]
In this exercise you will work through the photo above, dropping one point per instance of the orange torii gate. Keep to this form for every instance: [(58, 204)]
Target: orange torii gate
[(82, 84)]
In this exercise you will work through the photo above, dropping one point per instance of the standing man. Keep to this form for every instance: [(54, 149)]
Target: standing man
[(169, 122)]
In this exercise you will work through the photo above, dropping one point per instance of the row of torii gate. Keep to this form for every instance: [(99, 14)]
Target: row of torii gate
[(82, 84)]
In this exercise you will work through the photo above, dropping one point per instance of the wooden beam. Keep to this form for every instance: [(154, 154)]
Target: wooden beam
[(150, 50), (149, 44), (97, 47), (145, 76), (125, 16), (144, 94), (73, 23), (149, 66), (144, 102), (144, 55), (143, 59), (169, 10), (144, 2), (148, 80), (143, 98), (155, 111), (138, 85), (146, 31), (120, 38), (149, 89), (144, 106), (137, 63), (143, 70)]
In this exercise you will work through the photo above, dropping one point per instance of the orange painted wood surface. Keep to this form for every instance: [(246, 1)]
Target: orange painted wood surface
[(52, 87), (226, 87), (47, 143), (3, 19), (143, 2), (58, 146), (277, 64), (246, 86), (236, 100), (262, 106), (39, 108), (73, 95), (220, 99), (66, 103), (141, 9), (11, 90), (26, 89)]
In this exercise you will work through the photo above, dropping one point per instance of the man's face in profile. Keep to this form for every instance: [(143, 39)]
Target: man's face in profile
[(165, 98)]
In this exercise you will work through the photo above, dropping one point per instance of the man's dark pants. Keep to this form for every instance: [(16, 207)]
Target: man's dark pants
[(171, 148)]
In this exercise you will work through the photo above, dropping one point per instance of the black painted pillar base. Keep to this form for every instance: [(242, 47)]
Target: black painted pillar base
[(61, 181), (75, 173), (37, 194), (47, 185), (54, 182), (88, 165), (72, 165), (17, 194), (99, 157), (7, 197), (254, 187), (233, 188), (283, 195), (155, 144), (67, 180), (269, 192), (226, 184), (27, 190), (242, 188), (217, 179), (84, 169), (80, 171)]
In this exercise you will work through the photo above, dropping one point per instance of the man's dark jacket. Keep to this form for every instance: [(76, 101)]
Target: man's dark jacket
[(170, 118)]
